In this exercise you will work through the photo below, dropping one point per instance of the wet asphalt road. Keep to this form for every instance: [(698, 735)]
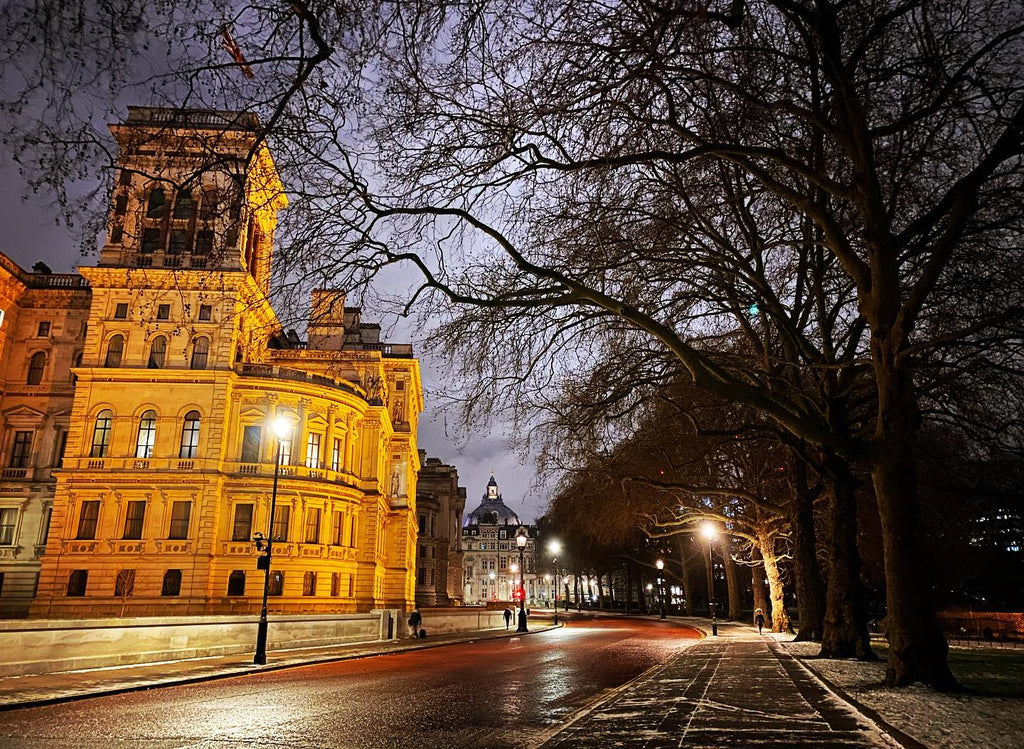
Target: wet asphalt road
[(494, 693)]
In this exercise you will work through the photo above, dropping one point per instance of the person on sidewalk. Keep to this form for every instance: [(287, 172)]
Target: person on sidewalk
[(508, 617), (759, 620), (415, 620)]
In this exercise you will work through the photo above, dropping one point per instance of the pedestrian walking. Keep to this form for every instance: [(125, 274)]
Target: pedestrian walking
[(415, 620), (759, 620), (508, 617)]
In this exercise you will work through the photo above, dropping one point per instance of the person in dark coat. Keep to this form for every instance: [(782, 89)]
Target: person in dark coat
[(415, 620), (508, 617), (759, 620)]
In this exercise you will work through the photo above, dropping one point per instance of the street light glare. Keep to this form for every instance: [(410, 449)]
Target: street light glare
[(281, 426), (555, 547), (660, 564), (709, 531)]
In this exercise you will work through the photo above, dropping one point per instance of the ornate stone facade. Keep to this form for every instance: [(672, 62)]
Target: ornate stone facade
[(169, 464), (440, 502)]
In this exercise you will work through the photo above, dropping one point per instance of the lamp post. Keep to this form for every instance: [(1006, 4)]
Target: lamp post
[(650, 594), (281, 427), (555, 547), (521, 539), (661, 585), (709, 532)]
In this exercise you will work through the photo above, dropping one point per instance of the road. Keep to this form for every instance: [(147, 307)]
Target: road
[(493, 693)]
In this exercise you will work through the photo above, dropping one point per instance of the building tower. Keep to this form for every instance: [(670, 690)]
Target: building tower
[(170, 460)]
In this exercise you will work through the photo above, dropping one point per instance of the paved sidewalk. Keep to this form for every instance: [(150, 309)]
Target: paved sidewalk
[(739, 689), (27, 691)]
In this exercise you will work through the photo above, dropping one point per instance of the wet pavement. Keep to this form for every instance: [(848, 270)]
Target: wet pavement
[(737, 690), (501, 692)]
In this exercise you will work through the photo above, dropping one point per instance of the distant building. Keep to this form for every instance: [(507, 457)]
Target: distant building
[(159, 463), (491, 556), (440, 502)]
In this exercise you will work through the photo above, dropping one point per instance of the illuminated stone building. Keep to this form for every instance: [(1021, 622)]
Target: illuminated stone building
[(169, 462), (491, 556), (42, 333), (440, 502)]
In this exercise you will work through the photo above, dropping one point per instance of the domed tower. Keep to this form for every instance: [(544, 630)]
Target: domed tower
[(492, 510)]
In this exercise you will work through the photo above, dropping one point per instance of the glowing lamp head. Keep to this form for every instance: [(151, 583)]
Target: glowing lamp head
[(281, 426), (555, 547), (709, 531), (660, 564), (521, 538), (491, 575), (547, 578), (514, 568)]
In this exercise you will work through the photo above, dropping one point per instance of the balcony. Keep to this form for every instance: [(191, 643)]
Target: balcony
[(15, 473)]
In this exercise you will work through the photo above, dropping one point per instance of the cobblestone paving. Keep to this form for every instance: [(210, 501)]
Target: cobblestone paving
[(724, 692)]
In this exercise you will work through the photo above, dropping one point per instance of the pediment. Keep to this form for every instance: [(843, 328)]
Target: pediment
[(23, 415)]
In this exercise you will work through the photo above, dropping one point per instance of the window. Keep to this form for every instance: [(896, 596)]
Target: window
[(124, 583), (133, 519), (44, 526), (121, 311), (339, 528), (205, 312), (183, 206), (336, 455), (152, 239), (117, 235), (313, 526), (36, 366), (423, 523), (120, 205), (276, 583), (200, 353), (309, 584), (242, 528), (285, 448), (8, 524), (421, 576), (124, 178), (313, 451), (101, 434), (21, 451), (252, 437), (87, 519), (76, 361), (44, 329), (422, 551), (147, 435), (77, 581), (158, 352), (281, 517), (204, 243), (190, 435), (236, 583), (180, 514), (163, 312), (172, 583), (352, 533), (335, 584), (115, 348), (156, 204)]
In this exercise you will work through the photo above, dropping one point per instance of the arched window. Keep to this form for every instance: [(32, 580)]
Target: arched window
[(172, 583), (36, 366), (236, 583), (157, 203), (157, 352), (208, 208), (190, 435), (200, 353), (115, 348), (147, 435), (101, 434)]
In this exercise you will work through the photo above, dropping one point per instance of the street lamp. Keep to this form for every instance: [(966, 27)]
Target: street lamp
[(709, 532), (650, 595), (555, 549), (282, 428), (661, 585), (521, 539)]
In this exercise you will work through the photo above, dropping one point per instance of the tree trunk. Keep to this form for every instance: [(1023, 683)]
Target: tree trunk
[(757, 580), (917, 647), (846, 627), (780, 619), (732, 581), (685, 570), (629, 587), (810, 587)]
